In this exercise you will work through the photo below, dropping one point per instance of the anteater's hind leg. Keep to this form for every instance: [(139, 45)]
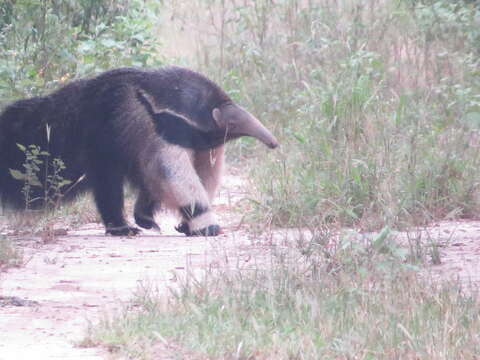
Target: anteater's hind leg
[(107, 181), (208, 165), (145, 210), (172, 171)]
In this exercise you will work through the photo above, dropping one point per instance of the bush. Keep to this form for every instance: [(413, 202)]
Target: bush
[(44, 43)]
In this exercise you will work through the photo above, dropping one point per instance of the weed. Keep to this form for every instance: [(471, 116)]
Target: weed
[(46, 192), (357, 297), (30, 175), (10, 256)]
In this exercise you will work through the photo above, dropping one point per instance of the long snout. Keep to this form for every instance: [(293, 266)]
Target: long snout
[(249, 125)]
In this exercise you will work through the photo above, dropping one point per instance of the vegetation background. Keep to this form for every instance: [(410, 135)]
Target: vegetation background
[(376, 102), (377, 106)]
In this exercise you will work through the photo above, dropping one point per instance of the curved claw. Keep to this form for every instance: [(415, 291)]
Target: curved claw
[(122, 231), (147, 223), (183, 228)]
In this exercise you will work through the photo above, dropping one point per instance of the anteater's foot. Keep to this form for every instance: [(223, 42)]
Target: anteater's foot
[(146, 223), (122, 230), (211, 230), (183, 228)]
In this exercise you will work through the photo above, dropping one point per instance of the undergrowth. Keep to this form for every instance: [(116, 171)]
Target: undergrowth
[(47, 43), (330, 298), (376, 105)]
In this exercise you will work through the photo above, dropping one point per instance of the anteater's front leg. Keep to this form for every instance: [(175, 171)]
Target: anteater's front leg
[(208, 165), (173, 172)]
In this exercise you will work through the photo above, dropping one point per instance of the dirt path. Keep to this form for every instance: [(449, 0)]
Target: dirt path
[(459, 248), (76, 279)]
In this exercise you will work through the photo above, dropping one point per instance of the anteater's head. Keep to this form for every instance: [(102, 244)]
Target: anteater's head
[(192, 111), (236, 122)]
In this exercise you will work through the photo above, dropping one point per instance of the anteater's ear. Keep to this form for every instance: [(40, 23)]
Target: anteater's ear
[(217, 116)]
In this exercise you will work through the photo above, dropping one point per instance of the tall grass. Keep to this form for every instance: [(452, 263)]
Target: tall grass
[(376, 104), (347, 301)]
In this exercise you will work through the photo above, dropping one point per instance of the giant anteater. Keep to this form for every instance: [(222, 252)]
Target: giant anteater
[(163, 130)]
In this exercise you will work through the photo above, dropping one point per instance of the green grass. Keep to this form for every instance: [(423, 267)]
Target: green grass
[(376, 105), (351, 300)]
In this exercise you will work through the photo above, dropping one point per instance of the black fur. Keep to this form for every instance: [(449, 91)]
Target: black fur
[(211, 230), (176, 130), (144, 211), (189, 212), (99, 126)]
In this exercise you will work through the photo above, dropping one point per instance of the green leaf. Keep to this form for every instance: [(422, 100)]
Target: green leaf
[(17, 175), (108, 43), (21, 147), (63, 183), (300, 138), (34, 181)]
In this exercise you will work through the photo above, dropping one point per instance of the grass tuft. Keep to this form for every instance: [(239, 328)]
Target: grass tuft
[(357, 298), (10, 256)]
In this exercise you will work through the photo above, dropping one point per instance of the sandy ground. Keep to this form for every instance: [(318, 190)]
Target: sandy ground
[(76, 279), (459, 247), (70, 283)]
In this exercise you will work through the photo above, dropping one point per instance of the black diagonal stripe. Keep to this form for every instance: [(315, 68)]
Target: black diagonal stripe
[(192, 211), (178, 131)]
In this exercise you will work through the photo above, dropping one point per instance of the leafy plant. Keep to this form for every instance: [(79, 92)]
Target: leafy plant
[(44, 43), (29, 176), (53, 182)]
